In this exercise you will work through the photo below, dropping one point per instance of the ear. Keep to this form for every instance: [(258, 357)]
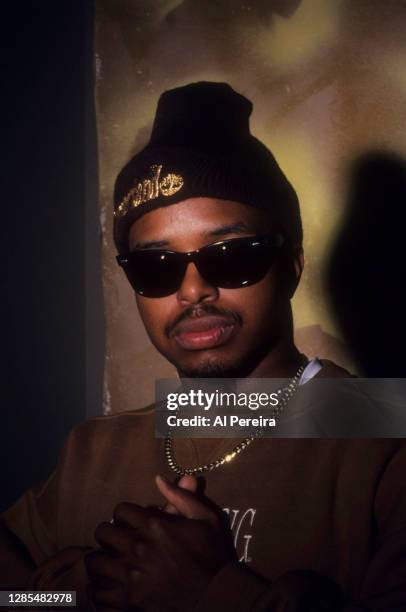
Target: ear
[(297, 264)]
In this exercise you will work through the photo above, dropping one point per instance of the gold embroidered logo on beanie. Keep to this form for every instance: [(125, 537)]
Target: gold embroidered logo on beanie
[(149, 189)]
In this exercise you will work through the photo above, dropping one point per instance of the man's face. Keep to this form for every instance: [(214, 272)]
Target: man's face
[(202, 329)]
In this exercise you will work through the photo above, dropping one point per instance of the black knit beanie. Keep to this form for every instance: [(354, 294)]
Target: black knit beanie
[(201, 146)]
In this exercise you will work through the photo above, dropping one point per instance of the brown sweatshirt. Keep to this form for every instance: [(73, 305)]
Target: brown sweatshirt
[(334, 506)]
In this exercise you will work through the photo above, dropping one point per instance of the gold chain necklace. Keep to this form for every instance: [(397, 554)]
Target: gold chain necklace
[(288, 392)]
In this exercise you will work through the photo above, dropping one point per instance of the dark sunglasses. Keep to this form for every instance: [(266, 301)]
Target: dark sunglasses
[(228, 264)]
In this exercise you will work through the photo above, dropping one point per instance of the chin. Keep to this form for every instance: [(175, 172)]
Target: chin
[(212, 367), (221, 363), (209, 370)]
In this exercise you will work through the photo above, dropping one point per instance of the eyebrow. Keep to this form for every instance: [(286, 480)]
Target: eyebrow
[(150, 244), (233, 228)]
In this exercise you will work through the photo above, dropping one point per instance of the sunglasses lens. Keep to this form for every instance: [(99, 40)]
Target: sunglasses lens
[(153, 273), (236, 263)]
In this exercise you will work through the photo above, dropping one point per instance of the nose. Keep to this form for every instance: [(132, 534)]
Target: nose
[(195, 289)]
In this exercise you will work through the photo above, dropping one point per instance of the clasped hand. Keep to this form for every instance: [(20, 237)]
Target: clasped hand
[(163, 558)]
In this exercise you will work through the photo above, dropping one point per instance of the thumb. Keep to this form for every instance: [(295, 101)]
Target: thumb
[(186, 502), (187, 482)]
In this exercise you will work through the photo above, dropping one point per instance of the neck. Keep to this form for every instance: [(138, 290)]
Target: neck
[(283, 359), (282, 362)]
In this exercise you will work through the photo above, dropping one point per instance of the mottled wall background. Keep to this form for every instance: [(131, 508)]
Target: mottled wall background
[(328, 82)]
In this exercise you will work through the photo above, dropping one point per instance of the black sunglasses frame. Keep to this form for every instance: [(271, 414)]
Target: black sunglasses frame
[(269, 244)]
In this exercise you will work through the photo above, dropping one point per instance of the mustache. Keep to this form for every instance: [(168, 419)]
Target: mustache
[(201, 311)]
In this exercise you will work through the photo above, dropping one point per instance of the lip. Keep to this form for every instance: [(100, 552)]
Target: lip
[(205, 332)]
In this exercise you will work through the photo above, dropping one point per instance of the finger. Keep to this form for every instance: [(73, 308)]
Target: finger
[(105, 571), (108, 599), (185, 502), (120, 597), (131, 515), (187, 482), (120, 540)]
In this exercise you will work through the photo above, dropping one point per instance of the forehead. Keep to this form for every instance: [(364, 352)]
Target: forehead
[(197, 217)]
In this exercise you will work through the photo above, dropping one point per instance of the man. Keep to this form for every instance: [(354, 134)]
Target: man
[(208, 232)]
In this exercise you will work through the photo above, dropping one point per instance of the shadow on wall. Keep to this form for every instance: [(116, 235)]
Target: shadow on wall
[(365, 275)]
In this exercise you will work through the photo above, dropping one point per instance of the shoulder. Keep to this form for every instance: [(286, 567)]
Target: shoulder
[(103, 433), (341, 405)]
